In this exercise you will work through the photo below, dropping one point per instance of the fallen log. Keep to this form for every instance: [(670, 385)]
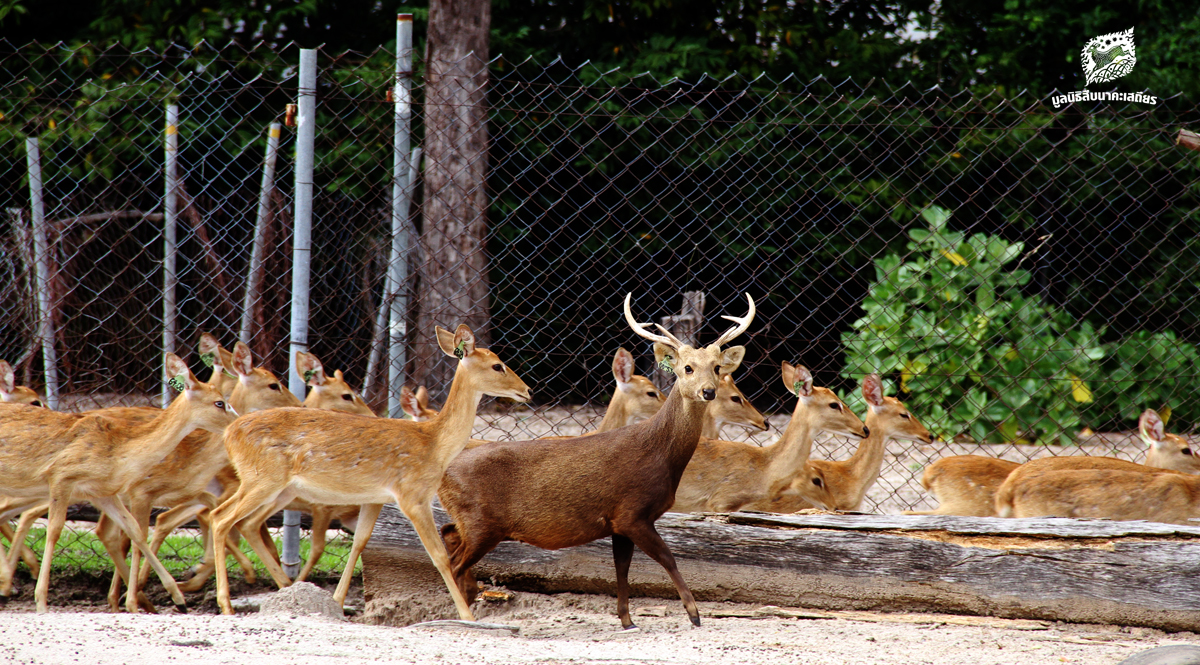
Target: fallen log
[(1094, 571)]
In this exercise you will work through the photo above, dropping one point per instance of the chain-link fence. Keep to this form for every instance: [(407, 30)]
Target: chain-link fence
[(1023, 277)]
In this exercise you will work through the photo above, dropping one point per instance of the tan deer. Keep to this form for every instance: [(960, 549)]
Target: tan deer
[(213, 354), (967, 484), (339, 459), (556, 493), (848, 480), (181, 480), (1030, 488), (95, 457), (416, 404), (725, 476), (10, 392)]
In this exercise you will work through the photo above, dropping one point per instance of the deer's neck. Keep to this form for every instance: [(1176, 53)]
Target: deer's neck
[(452, 426), (790, 452), (866, 461), (145, 444), (712, 427), (617, 414), (675, 430)]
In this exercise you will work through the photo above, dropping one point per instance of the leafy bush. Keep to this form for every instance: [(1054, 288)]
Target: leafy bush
[(973, 353), (1146, 370)]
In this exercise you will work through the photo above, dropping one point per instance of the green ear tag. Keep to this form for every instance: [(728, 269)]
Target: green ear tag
[(796, 385), (207, 359), (308, 375), (667, 364), (176, 382), (460, 350)]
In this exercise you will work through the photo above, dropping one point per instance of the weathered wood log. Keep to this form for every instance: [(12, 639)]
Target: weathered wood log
[(1129, 573)]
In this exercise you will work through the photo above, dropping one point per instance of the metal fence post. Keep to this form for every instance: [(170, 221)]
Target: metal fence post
[(398, 264), (170, 205), (301, 259), (254, 273), (41, 250)]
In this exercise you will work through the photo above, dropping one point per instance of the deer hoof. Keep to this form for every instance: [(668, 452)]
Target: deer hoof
[(695, 620), (182, 609)]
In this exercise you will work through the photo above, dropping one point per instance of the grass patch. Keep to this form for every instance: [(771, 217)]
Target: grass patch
[(79, 550)]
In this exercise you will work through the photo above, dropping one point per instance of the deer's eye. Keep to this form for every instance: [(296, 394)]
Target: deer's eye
[(35, 403), (736, 400), (717, 369), (348, 397), (498, 367), (687, 368), (219, 405), (274, 386), (817, 482), (1186, 451), (835, 406), (652, 394), (905, 416)]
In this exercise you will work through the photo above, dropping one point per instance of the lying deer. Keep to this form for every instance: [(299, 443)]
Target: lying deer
[(95, 457), (338, 459), (556, 493), (1025, 491), (725, 476), (849, 480), (967, 484)]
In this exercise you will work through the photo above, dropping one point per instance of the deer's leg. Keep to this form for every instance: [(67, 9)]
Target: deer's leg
[(421, 517), (30, 512), (163, 526), (465, 550), (25, 553), (117, 546), (622, 556), (248, 499), (7, 570), (648, 541), (321, 517), (117, 511), (58, 517), (367, 515), (141, 516), (252, 530)]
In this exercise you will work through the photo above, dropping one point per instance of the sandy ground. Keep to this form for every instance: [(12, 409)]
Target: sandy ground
[(569, 628)]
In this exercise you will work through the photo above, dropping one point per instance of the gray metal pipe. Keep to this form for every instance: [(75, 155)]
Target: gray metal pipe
[(41, 258), (254, 273), (397, 280), (301, 260), (170, 212)]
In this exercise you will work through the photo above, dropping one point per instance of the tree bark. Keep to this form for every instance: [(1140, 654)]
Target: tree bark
[(453, 285)]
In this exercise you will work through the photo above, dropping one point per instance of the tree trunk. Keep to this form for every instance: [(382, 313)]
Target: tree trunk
[(453, 272)]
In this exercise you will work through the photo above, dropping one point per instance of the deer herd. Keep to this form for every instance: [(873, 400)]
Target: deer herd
[(231, 452)]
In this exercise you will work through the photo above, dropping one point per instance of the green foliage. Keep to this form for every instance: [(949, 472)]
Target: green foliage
[(973, 353), (1146, 370)]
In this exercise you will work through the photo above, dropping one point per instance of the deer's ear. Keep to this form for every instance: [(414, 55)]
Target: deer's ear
[(872, 389), (181, 378), (445, 340), (731, 359), (243, 360), (422, 397), (664, 357), (623, 366), (310, 369), (408, 402), (798, 379), (1150, 425), (460, 344), (8, 378), (208, 344)]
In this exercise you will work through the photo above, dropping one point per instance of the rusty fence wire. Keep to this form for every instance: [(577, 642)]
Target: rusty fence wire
[(1024, 277)]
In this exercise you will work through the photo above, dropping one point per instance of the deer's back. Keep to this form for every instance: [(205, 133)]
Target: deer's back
[(722, 476), (966, 484), (555, 493), (1104, 493)]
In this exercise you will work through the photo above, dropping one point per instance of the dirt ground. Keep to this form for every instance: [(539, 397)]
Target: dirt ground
[(563, 628)]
